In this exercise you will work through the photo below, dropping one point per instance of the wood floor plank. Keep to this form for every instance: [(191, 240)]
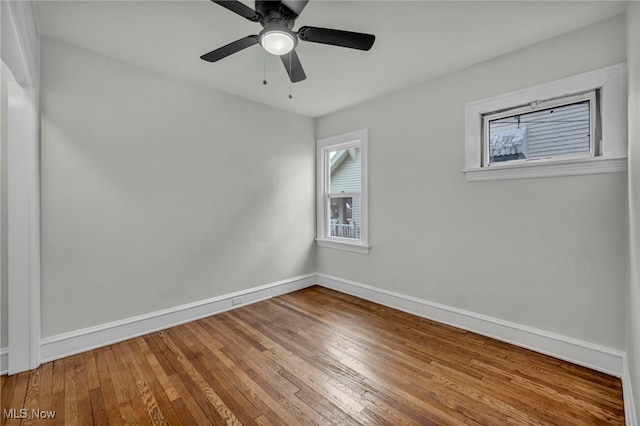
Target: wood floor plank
[(221, 408), (187, 386), (71, 392), (240, 355), (167, 367), (46, 385), (6, 397), (58, 390), (93, 380), (218, 375), (128, 378), (115, 415), (19, 396), (157, 403), (98, 409), (313, 357), (85, 413), (221, 400), (156, 369), (32, 398)]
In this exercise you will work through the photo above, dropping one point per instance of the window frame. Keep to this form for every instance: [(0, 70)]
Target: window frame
[(610, 152), (357, 138)]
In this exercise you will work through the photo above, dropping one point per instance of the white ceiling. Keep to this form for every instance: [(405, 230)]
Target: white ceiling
[(415, 41)]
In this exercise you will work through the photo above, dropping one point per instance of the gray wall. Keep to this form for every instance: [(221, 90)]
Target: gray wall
[(157, 193), (633, 327), (549, 253)]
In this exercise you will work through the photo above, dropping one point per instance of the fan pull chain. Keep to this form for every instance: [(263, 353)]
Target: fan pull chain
[(290, 75), (264, 68)]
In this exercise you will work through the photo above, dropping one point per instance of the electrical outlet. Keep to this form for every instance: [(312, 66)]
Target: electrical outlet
[(236, 300)]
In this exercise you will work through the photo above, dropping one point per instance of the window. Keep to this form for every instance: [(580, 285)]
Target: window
[(572, 126), (561, 127), (342, 192)]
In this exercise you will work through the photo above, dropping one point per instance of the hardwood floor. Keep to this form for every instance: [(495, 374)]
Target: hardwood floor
[(313, 357)]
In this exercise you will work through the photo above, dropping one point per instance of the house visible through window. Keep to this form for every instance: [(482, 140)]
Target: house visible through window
[(345, 177), (564, 127), (342, 191)]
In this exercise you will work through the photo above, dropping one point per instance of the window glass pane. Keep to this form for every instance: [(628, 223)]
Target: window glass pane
[(345, 170), (538, 134), (344, 218)]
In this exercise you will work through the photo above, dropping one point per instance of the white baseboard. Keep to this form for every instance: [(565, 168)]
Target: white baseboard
[(630, 416), (4, 361), (579, 352), (597, 357), (62, 345)]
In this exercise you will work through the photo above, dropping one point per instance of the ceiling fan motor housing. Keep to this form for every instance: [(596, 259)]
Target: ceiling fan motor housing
[(275, 13)]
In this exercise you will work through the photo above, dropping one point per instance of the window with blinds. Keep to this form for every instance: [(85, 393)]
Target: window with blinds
[(563, 127)]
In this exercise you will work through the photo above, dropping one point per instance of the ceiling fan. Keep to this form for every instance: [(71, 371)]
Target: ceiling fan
[(278, 38)]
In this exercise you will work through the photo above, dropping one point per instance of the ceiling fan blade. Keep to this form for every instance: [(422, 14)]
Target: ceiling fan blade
[(230, 49), (293, 66), (337, 37), (296, 6), (240, 9)]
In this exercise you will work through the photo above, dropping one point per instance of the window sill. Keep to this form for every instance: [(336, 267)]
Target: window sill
[(340, 245), (549, 168)]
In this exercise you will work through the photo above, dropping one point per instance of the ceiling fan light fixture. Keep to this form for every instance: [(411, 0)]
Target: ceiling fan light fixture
[(278, 42)]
